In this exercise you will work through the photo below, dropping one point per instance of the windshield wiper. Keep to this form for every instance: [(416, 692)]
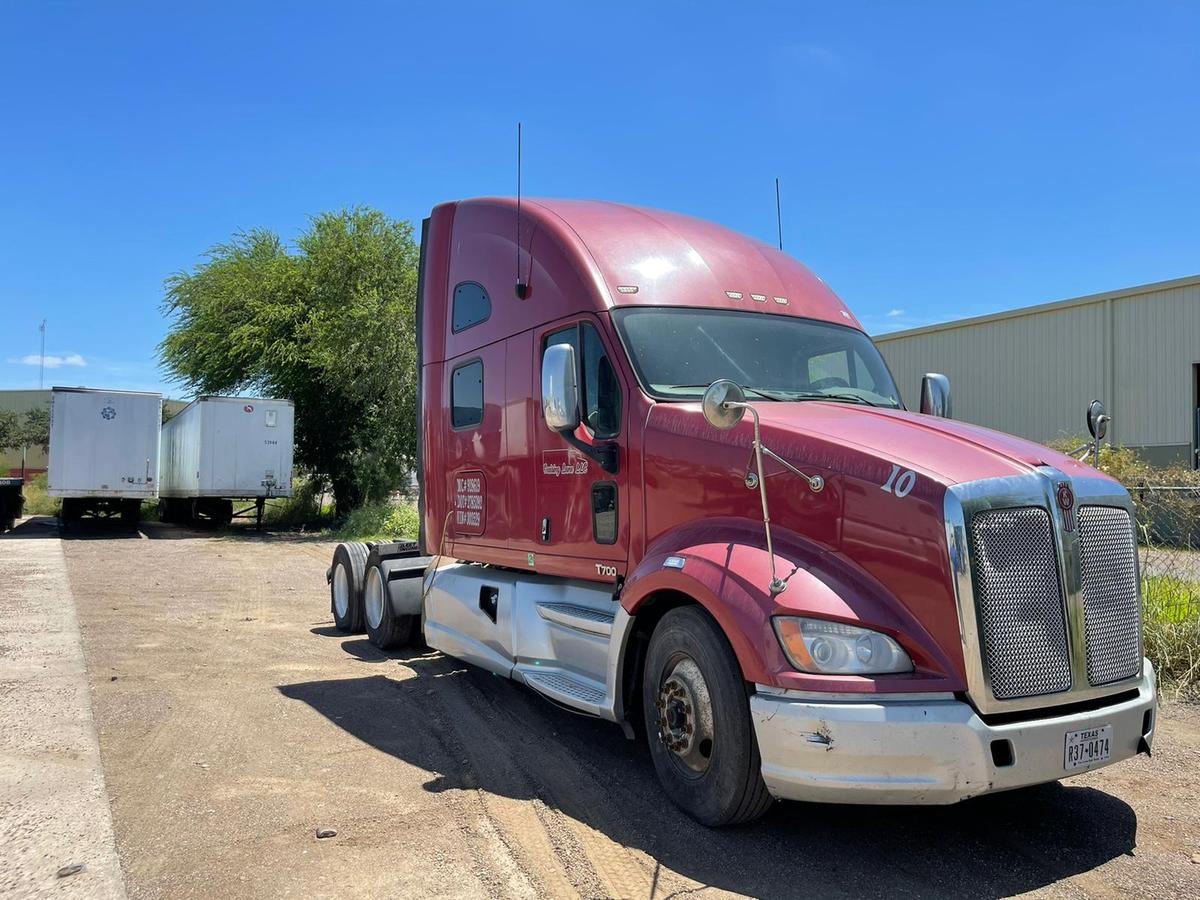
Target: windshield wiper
[(749, 390), (853, 398)]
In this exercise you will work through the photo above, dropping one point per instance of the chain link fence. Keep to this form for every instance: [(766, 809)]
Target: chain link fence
[(1168, 519)]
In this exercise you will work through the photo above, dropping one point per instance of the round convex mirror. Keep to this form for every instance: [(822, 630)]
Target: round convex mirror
[(1097, 420), (717, 404)]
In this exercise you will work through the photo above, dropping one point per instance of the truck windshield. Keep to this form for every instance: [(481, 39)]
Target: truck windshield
[(678, 352)]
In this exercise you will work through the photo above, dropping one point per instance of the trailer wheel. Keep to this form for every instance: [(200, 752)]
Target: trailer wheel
[(385, 629), (698, 721), (346, 586)]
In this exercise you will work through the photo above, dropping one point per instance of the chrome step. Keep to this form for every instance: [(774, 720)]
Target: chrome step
[(581, 618), (565, 687)]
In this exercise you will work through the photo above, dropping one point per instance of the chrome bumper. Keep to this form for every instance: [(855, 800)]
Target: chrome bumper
[(923, 752)]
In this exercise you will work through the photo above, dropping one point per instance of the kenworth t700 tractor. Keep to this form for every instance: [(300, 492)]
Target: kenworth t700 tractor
[(667, 480)]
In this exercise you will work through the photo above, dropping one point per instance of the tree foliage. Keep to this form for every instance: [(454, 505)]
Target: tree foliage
[(10, 430), (25, 431), (329, 324)]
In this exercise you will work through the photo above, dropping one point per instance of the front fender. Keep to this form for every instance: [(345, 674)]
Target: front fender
[(726, 570)]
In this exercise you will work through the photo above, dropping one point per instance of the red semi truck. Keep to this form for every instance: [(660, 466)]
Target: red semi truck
[(667, 480)]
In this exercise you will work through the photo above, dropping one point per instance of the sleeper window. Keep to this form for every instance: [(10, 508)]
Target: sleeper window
[(471, 306), (466, 395)]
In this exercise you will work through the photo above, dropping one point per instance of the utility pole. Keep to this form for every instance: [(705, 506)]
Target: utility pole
[(42, 358)]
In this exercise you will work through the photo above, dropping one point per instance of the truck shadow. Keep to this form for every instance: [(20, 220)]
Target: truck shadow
[(477, 731), (33, 528)]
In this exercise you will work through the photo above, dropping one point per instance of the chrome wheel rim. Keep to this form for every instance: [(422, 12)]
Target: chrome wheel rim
[(373, 598), (341, 592), (685, 715)]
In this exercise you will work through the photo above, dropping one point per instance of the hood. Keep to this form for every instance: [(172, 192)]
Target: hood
[(942, 449)]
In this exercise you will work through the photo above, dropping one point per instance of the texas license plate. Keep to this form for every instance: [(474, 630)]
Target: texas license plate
[(1083, 748)]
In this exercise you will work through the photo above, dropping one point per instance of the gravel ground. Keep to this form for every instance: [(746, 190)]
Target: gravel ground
[(234, 721)]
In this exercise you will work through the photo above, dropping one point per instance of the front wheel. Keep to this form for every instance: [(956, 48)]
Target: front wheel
[(698, 721)]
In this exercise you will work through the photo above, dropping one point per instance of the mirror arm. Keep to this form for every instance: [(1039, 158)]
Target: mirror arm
[(815, 482), (606, 454)]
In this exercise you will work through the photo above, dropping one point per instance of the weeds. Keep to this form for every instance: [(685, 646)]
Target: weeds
[(380, 522), (37, 501), (1171, 631), (306, 510)]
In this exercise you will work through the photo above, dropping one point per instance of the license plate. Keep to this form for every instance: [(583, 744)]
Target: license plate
[(1083, 748)]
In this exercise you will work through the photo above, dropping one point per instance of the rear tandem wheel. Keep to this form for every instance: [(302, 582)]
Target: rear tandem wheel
[(346, 586)]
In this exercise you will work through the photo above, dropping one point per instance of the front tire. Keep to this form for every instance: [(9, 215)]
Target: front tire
[(385, 629), (346, 586), (698, 725)]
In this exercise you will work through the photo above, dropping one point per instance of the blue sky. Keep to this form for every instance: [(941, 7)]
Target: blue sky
[(938, 160)]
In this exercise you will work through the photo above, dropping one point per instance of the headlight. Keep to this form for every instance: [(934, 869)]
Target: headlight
[(831, 648)]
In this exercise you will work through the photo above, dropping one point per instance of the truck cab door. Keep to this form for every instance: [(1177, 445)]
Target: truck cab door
[(580, 508)]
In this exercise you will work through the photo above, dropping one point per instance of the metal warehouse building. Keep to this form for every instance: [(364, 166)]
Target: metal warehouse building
[(1032, 371)]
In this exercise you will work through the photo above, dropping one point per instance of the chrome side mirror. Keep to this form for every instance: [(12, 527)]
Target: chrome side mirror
[(1097, 420), (935, 396), (717, 404), (560, 391)]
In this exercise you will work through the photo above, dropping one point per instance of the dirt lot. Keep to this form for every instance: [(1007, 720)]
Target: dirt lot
[(234, 721)]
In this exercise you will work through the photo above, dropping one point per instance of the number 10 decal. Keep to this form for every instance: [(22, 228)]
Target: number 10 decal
[(900, 482)]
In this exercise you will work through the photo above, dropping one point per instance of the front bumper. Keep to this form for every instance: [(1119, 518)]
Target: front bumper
[(924, 752)]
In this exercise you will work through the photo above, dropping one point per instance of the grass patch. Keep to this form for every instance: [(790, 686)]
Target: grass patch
[(1171, 630), (380, 522), (308, 509), (37, 501)]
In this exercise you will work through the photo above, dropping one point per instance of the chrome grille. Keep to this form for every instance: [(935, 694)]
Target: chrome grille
[(1111, 609), (1020, 601)]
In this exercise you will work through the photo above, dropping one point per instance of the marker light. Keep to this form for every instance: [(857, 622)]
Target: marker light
[(832, 648)]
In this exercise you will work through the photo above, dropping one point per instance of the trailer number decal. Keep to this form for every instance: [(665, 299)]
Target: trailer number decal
[(900, 482), (469, 502)]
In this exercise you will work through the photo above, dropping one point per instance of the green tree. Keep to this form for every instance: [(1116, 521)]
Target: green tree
[(10, 430), (329, 324), (35, 430)]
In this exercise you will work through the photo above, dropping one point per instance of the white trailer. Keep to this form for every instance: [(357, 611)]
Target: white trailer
[(103, 451), (220, 449)]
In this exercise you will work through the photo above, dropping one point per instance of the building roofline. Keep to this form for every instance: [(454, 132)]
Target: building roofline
[(1186, 281)]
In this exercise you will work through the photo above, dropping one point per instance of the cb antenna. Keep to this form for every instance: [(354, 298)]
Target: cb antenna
[(522, 287), (778, 214)]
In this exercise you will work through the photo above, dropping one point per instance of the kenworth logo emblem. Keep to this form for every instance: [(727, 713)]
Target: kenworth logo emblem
[(108, 413), (1066, 502)]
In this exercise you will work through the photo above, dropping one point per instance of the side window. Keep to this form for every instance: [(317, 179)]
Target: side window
[(604, 512), (862, 375), (466, 395), (599, 389), (471, 306)]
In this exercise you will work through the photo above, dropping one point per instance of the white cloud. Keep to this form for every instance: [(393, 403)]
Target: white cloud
[(893, 313), (52, 362)]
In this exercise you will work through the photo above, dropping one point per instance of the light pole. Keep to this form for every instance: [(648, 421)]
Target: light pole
[(42, 358)]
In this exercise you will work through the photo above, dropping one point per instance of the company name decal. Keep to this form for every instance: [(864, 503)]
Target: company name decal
[(563, 463)]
